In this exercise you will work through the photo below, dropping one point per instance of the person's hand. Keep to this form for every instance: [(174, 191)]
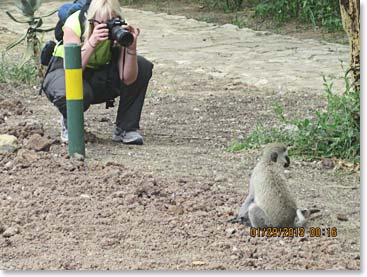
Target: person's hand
[(135, 32), (100, 33)]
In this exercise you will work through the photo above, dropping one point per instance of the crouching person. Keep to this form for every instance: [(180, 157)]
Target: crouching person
[(110, 68)]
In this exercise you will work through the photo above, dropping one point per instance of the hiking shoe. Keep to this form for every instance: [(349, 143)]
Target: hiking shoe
[(130, 137), (64, 136)]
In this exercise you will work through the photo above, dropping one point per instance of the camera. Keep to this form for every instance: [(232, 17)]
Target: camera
[(123, 37)]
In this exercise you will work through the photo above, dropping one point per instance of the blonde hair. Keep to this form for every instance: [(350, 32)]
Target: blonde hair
[(104, 8)]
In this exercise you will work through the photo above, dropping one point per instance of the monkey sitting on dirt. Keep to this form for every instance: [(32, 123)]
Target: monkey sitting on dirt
[(269, 203)]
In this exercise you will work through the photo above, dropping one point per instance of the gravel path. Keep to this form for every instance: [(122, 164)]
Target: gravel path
[(165, 205)]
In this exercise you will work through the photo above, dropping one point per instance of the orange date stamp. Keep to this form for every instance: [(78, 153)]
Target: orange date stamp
[(316, 232)]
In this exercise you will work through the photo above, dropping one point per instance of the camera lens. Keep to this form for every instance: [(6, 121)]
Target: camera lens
[(123, 37)]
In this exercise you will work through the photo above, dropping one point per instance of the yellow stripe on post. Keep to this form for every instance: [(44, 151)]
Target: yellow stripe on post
[(74, 98), (74, 84)]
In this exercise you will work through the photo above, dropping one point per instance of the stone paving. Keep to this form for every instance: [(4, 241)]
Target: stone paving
[(254, 58)]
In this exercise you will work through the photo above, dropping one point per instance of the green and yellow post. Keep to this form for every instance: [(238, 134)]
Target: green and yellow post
[(74, 98)]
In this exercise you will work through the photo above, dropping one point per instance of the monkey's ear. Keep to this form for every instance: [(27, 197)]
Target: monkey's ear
[(274, 157)]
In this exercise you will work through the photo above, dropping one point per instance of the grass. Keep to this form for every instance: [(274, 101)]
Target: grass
[(333, 132), (239, 21)]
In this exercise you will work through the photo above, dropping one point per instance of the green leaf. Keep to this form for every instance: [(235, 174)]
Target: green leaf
[(28, 7), (15, 43), (16, 20)]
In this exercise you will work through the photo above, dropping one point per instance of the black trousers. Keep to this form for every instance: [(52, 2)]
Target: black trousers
[(101, 85)]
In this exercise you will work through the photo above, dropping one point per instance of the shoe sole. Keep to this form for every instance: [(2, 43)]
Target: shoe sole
[(131, 142), (134, 142), (65, 141)]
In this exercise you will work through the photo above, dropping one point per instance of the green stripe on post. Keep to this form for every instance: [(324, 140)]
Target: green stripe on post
[(73, 59), (74, 107)]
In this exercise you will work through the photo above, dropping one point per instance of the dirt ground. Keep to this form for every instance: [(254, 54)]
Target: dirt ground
[(165, 205)]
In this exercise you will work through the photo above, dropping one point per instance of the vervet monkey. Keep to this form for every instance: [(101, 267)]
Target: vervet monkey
[(269, 203)]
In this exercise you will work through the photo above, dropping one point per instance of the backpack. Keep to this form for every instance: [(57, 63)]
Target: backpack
[(67, 9), (63, 13)]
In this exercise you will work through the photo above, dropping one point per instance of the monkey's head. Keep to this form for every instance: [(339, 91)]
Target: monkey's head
[(277, 153)]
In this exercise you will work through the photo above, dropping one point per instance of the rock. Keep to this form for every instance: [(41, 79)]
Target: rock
[(352, 265), (89, 137), (133, 206), (27, 156), (8, 165), (78, 157), (112, 163), (104, 119), (200, 207), (230, 231), (130, 199), (331, 249), (107, 243), (148, 188), (199, 263), (27, 128), (179, 210), (11, 231), (38, 143), (221, 245), (230, 27), (18, 220), (113, 173), (8, 143), (220, 178), (12, 105), (225, 210), (342, 217), (118, 194), (205, 187), (241, 138), (250, 263), (68, 166), (327, 163)]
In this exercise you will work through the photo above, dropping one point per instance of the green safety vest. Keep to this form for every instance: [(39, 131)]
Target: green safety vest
[(102, 54)]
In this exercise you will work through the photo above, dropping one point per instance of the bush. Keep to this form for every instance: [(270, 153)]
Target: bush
[(318, 12), (15, 74), (334, 132), (225, 5)]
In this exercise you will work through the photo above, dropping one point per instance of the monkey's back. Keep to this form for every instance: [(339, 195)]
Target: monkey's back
[(272, 195)]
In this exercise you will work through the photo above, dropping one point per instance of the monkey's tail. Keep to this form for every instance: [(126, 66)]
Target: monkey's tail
[(238, 219), (314, 210), (303, 215), (233, 220), (301, 220)]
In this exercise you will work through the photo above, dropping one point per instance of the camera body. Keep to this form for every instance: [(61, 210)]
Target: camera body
[(123, 37)]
